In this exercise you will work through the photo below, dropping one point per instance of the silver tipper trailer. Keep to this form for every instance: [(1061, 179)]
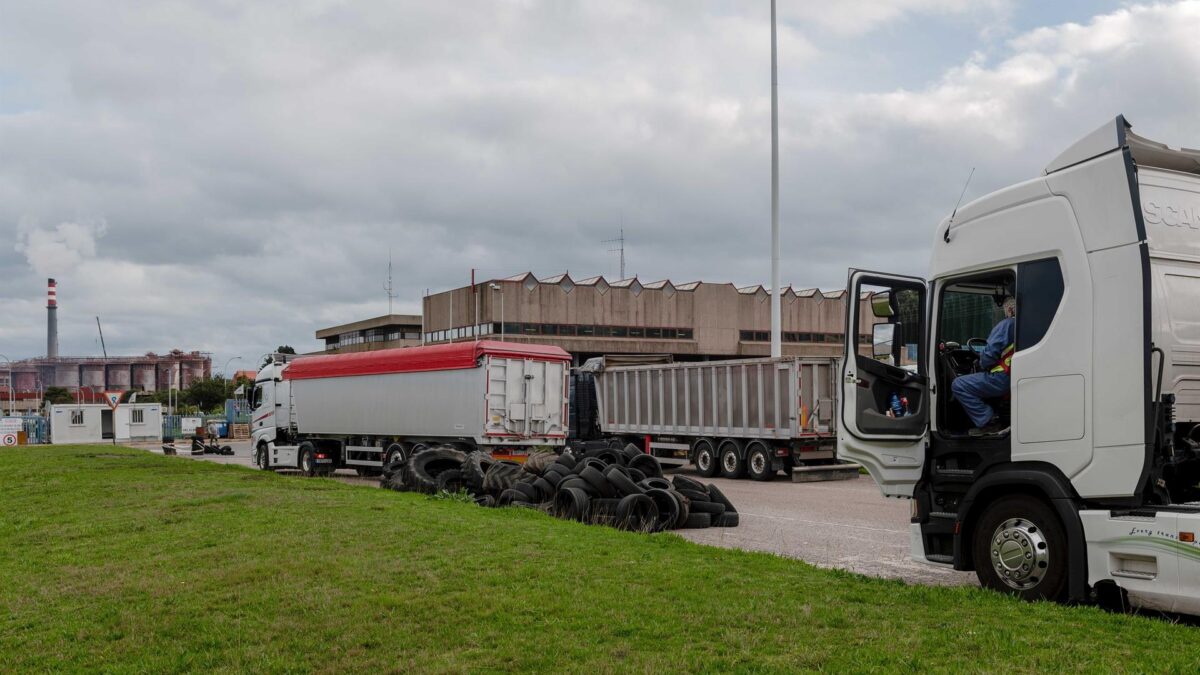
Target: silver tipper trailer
[(741, 417), (361, 409)]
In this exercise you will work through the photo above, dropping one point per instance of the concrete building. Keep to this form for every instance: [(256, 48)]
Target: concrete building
[(97, 423), (381, 332), (95, 374), (593, 316)]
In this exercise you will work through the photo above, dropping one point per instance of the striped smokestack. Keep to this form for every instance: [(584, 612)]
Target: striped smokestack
[(51, 319)]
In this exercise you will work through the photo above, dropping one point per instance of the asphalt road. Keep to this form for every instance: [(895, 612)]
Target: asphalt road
[(843, 524)]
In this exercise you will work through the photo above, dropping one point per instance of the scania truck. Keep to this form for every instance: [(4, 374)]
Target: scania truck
[(1091, 491), (363, 410)]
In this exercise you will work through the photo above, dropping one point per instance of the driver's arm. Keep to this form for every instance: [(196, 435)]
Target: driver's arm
[(996, 343)]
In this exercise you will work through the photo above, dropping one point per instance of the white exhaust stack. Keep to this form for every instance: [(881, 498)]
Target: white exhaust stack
[(51, 319)]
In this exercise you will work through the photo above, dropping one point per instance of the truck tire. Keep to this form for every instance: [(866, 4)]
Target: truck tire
[(759, 461), (394, 452), (704, 456), (306, 460), (425, 467), (695, 495), (656, 484), (596, 479), (474, 469), (537, 462), (726, 519), (733, 462), (262, 458), (715, 495), (450, 481), (685, 509), (502, 475), (697, 521), (685, 483), (637, 513), (1020, 549), (712, 508), (571, 503), (621, 482), (647, 464), (668, 508)]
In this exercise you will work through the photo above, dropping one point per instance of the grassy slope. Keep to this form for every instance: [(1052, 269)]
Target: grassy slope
[(118, 559)]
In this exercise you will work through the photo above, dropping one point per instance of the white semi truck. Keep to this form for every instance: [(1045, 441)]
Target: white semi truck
[(362, 410), (1092, 491)]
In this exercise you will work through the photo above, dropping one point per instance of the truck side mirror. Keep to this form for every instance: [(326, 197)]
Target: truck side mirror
[(883, 341)]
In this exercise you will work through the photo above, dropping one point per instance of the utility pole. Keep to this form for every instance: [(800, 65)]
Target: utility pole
[(102, 347), (776, 318)]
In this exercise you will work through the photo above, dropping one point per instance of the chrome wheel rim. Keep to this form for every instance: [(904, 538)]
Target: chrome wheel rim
[(704, 460), (306, 463), (1019, 553), (729, 461), (758, 463)]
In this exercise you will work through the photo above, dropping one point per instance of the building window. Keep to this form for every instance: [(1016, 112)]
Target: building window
[(137, 416), (77, 418), (684, 333), (668, 333), (586, 331), (566, 330), (654, 332), (618, 331), (549, 329)]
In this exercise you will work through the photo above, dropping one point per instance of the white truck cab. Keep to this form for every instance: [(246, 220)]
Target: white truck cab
[(1092, 488)]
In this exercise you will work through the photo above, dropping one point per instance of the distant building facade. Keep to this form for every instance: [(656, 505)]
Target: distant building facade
[(381, 332), (87, 377), (593, 316)]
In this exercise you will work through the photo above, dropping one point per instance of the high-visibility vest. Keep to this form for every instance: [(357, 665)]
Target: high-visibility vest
[(1005, 364)]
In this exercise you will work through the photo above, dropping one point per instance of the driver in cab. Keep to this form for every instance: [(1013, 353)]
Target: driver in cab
[(992, 381)]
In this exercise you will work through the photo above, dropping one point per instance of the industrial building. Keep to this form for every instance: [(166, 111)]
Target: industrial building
[(26, 381), (97, 422), (381, 332), (688, 321)]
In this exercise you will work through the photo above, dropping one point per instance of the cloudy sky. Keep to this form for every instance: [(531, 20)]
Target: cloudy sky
[(229, 176)]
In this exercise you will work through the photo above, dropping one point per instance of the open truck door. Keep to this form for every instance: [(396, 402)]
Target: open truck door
[(885, 393)]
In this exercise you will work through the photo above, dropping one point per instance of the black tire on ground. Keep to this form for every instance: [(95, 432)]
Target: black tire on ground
[(685, 509), (726, 519), (306, 459), (597, 464), (648, 465), (704, 456), (611, 457), (486, 501), (759, 459), (697, 521), (262, 457), (715, 495), (630, 451), (509, 496), (531, 490), (668, 508), (474, 469), (603, 507), (226, 450), (579, 484), (637, 513), (501, 475), (623, 485), (425, 467), (597, 480), (450, 481), (695, 495), (571, 503), (733, 463), (656, 483), (568, 459), (561, 469), (541, 490), (1020, 549), (708, 507), (634, 475), (685, 483), (553, 477)]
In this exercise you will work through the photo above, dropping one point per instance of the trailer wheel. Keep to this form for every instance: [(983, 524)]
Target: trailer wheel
[(758, 461), (705, 458), (733, 464), (394, 451), (1020, 549), (307, 463), (262, 458)]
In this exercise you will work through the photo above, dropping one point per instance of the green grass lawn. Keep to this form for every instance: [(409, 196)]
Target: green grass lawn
[(116, 559)]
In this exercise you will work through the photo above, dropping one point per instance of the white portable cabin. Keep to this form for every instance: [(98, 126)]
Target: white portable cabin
[(98, 423)]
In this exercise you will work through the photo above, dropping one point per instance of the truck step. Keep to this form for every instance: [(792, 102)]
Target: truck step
[(814, 474), (943, 514), (940, 558)]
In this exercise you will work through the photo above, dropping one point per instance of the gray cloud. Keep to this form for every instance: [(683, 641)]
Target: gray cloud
[(252, 164)]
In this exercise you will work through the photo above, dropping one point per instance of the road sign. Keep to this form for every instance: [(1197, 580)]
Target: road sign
[(113, 398), (8, 439)]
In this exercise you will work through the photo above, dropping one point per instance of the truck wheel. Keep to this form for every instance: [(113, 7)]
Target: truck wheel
[(394, 451), (1020, 549), (261, 458), (705, 458), (733, 465), (758, 461), (307, 463)]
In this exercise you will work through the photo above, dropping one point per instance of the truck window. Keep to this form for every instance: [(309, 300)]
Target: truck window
[(256, 397), (1039, 293)]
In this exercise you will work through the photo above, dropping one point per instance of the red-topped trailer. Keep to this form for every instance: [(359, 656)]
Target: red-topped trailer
[(359, 410)]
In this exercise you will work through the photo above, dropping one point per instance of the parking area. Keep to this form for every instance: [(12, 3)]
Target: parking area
[(838, 524)]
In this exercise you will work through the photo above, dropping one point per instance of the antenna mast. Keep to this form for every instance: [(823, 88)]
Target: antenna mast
[(619, 248), (388, 288), (102, 347)]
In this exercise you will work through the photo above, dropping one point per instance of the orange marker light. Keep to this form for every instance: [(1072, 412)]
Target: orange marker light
[(1187, 537)]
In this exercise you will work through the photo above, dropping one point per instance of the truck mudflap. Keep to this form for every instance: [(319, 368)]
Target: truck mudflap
[(1043, 479)]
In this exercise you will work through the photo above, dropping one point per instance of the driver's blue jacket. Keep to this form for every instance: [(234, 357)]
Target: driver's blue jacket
[(1003, 335)]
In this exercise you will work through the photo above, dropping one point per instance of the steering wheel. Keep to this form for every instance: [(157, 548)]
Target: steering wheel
[(973, 342)]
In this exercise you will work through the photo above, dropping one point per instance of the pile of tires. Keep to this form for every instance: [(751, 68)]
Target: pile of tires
[(620, 488)]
